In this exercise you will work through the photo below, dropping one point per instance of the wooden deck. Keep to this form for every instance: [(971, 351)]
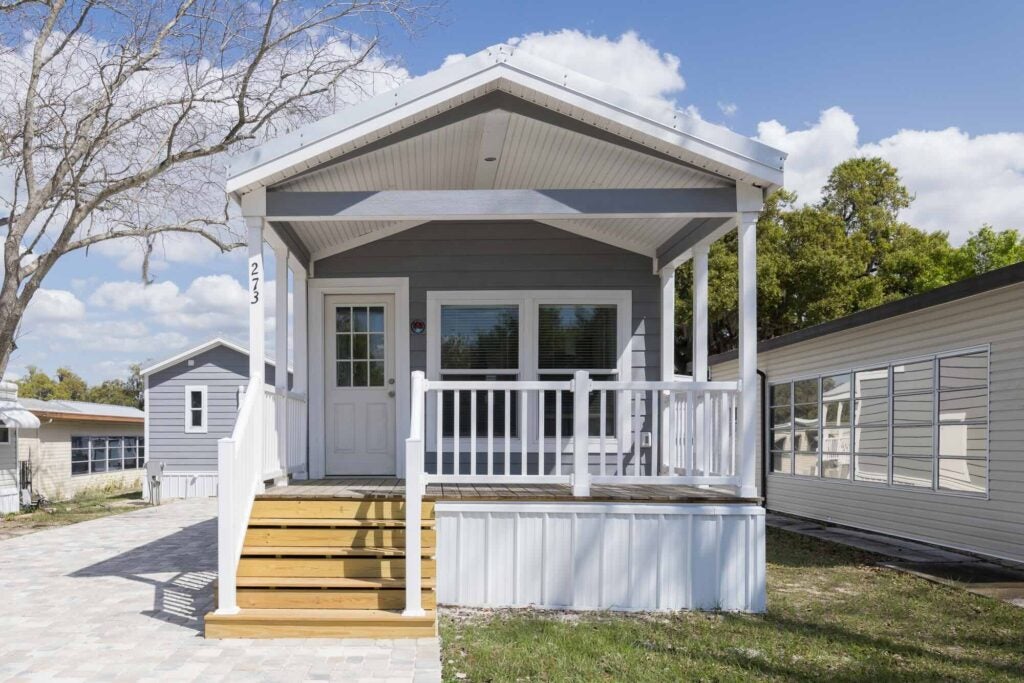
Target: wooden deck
[(358, 488)]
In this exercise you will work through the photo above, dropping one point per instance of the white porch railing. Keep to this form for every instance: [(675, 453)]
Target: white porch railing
[(284, 433), (576, 432), (239, 463)]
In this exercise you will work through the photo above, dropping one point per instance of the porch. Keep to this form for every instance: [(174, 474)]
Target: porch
[(481, 271)]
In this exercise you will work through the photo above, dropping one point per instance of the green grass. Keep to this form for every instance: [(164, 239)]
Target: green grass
[(86, 505), (832, 615)]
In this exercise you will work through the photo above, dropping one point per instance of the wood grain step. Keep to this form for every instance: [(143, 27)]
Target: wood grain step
[(370, 509), (325, 582), (327, 551), (348, 567), (333, 537), (299, 522), (314, 623), (327, 598)]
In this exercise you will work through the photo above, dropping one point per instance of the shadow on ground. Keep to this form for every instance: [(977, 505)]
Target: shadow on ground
[(181, 567)]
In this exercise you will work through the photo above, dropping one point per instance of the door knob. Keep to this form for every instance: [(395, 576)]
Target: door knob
[(391, 381), (391, 394)]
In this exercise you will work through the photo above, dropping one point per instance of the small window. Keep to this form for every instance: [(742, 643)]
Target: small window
[(5, 433), (195, 410)]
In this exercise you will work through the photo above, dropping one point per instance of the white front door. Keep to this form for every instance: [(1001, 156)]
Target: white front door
[(359, 401)]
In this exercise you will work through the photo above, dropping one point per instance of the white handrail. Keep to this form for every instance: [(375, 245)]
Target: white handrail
[(239, 464)]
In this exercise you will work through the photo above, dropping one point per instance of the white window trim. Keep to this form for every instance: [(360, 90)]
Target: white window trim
[(529, 302), (204, 427), (888, 365)]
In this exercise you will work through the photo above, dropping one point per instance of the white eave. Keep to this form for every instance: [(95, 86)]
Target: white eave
[(643, 121)]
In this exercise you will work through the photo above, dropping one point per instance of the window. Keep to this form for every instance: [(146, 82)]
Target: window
[(97, 454), (781, 427), (195, 410), (921, 423), (963, 422), (360, 346), (5, 433), (480, 342), (871, 425), (835, 426), (527, 335)]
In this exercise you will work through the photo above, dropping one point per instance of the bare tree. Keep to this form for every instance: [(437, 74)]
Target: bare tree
[(115, 114)]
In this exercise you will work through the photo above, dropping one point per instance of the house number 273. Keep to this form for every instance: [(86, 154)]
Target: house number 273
[(254, 278)]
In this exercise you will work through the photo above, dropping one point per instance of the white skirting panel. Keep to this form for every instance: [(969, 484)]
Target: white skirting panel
[(617, 556), (10, 501), (186, 485)]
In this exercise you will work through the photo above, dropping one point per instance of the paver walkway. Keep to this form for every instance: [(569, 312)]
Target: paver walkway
[(122, 598)]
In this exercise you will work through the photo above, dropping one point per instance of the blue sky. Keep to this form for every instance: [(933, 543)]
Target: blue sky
[(935, 88)]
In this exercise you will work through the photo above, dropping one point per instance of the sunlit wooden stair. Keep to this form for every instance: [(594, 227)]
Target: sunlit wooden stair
[(328, 569)]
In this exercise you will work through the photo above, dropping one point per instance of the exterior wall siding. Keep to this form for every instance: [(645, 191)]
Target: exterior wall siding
[(521, 255), (222, 370), (987, 525), (49, 451), (9, 498)]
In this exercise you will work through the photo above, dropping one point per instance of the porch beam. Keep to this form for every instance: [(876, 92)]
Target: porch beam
[(401, 205)]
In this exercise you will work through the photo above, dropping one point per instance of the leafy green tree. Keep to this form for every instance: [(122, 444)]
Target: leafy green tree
[(113, 392), (985, 250), (36, 384), (70, 386), (847, 253)]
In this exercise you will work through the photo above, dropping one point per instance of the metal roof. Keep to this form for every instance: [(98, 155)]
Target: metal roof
[(708, 150), (70, 409)]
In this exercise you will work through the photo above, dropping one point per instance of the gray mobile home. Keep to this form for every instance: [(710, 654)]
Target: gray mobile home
[(192, 401), (906, 419)]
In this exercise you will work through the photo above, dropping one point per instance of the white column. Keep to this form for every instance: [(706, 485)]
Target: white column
[(699, 324), (748, 411), (668, 323), (256, 300), (700, 313), (301, 382), (281, 318), (581, 434)]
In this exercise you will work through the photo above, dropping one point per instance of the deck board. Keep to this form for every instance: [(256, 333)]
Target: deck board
[(356, 488)]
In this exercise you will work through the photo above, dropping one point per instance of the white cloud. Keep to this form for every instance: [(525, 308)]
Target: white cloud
[(960, 181), (52, 306), (728, 108)]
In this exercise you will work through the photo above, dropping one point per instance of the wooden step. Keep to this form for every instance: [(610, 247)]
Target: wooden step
[(316, 623), (327, 598), (325, 582), (353, 538), (327, 551), (297, 522), (348, 567), (370, 509)]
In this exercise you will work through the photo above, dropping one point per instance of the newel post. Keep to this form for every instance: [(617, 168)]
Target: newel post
[(414, 499), (226, 548), (581, 434)]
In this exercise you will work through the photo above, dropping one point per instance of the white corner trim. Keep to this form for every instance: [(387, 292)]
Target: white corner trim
[(189, 427), (317, 291)]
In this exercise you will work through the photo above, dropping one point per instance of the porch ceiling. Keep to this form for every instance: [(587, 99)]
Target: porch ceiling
[(524, 153)]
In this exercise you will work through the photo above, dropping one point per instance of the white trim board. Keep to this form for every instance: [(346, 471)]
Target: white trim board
[(318, 290)]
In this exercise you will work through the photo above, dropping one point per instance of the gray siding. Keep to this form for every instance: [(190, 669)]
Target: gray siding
[(991, 526), (222, 370), (507, 256)]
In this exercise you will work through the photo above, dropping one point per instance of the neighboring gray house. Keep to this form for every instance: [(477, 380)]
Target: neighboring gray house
[(905, 419), (192, 400)]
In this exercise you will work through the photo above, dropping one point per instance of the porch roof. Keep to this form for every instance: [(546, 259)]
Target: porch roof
[(504, 135)]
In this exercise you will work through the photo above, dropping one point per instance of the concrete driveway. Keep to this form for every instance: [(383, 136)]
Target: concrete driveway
[(122, 598)]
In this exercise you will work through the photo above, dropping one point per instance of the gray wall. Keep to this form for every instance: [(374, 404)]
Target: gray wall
[(992, 525), (222, 370), (506, 255)]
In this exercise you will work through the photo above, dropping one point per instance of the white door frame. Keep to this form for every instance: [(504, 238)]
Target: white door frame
[(319, 289)]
